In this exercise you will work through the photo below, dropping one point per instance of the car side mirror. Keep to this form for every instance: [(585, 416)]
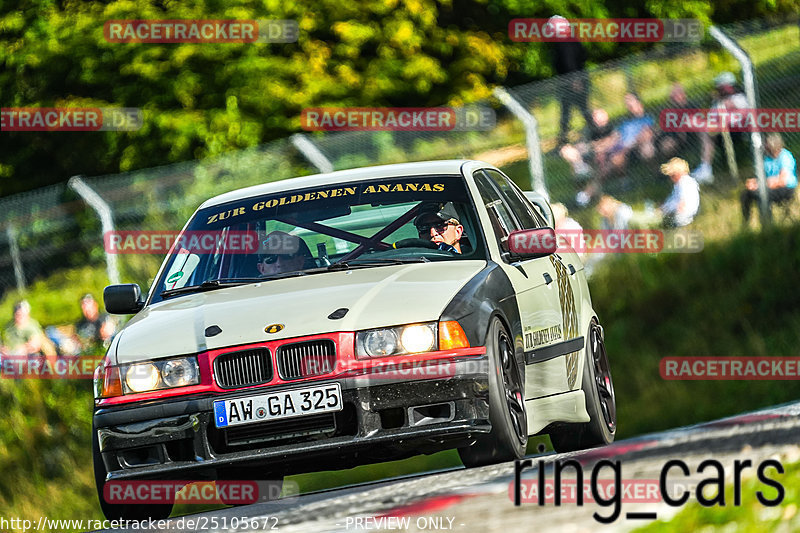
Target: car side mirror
[(125, 299), (533, 243)]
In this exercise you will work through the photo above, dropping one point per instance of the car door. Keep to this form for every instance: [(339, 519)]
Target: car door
[(536, 288)]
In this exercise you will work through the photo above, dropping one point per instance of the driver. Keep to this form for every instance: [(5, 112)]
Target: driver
[(281, 252), (440, 224)]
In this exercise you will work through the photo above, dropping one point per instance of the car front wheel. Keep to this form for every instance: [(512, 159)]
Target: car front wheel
[(509, 435), (598, 388)]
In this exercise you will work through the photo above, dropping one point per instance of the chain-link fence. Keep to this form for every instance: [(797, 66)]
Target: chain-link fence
[(677, 76), (53, 228)]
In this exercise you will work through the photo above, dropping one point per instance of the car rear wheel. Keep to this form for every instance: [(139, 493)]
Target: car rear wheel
[(598, 388), (509, 436), (122, 511)]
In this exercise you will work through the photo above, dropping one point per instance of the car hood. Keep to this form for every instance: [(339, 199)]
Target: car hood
[(375, 297)]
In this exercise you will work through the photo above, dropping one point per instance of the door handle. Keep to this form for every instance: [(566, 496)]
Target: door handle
[(571, 269), (548, 279)]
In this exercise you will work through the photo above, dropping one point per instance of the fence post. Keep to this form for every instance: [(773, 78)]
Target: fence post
[(13, 246), (531, 126), (103, 210), (314, 155), (750, 91)]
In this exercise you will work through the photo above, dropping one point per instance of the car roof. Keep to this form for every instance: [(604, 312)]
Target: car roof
[(448, 167)]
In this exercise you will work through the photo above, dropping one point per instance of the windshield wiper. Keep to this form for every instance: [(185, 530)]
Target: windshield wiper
[(209, 285), (377, 261)]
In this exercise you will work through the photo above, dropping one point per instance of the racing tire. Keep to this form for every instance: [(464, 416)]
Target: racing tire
[(509, 435), (598, 388), (122, 511)]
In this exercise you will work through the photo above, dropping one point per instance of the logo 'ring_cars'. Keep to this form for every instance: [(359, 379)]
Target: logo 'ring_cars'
[(274, 328)]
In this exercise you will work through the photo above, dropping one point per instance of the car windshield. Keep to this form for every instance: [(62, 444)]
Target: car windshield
[(338, 226)]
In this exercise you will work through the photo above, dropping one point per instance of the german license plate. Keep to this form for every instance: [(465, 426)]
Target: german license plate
[(275, 405)]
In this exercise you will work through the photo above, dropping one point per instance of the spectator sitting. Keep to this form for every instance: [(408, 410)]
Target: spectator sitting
[(780, 169), (633, 135), (562, 220), (577, 154), (615, 215), (94, 328), (24, 336), (728, 96), (682, 205)]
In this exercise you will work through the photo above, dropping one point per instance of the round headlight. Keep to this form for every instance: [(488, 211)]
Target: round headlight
[(179, 372), (417, 338), (141, 378), (380, 342)]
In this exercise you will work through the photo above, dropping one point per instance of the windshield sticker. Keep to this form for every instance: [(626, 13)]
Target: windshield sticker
[(175, 277), (339, 192), (180, 271), (405, 187), (295, 198)]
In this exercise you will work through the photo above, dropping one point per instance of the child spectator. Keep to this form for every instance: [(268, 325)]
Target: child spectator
[(682, 205), (615, 215)]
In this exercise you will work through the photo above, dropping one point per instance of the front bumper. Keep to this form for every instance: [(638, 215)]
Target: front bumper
[(177, 439)]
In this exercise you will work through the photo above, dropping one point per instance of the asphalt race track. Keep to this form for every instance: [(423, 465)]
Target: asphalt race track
[(481, 499)]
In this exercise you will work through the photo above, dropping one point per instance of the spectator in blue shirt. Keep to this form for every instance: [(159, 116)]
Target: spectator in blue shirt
[(780, 169)]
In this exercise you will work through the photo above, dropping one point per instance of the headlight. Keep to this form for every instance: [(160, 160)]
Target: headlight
[(418, 338), (179, 372), (158, 375), (142, 377), (380, 342), (400, 340)]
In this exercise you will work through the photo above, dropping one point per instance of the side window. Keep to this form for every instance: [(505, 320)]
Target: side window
[(503, 223), (511, 195)]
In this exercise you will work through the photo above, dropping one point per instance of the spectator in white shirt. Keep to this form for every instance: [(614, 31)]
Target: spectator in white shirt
[(682, 205)]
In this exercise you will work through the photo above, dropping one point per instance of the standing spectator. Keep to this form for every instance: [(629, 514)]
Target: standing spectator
[(682, 205), (94, 328), (780, 169), (569, 60), (24, 336), (673, 143), (727, 96)]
